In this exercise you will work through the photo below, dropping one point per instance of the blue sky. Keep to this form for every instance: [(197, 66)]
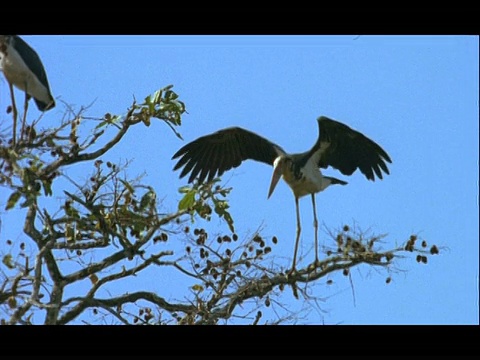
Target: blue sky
[(417, 96)]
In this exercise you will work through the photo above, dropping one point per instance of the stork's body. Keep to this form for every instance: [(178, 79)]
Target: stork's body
[(338, 146), (23, 69), (303, 180)]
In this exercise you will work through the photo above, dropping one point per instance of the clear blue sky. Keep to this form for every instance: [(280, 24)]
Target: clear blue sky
[(417, 96)]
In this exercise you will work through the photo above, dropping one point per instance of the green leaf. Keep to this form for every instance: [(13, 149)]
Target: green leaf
[(72, 212), (47, 188), (197, 288), (146, 119), (184, 189), (148, 99), (187, 201), (7, 261), (12, 200), (74, 197), (220, 206), (100, 125), (157, 96), (145, 200), (69, 233), (228, 218), (128, 186)]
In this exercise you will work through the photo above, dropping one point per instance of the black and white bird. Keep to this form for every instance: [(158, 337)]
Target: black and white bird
[(338, 146), (23, 69)]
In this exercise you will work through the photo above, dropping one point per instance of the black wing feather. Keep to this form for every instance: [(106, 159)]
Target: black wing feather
[(349, 150), (216, 153)]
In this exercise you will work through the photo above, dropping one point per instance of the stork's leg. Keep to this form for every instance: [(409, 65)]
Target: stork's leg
[(15, 114), (25, 108), (315, 226), (299, 229)]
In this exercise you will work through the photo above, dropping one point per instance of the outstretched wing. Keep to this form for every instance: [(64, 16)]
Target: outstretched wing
[(211, 155), (348, 150)]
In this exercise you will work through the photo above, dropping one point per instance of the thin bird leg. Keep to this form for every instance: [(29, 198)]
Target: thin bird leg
[(25, 107), (315, 225), (299, 229), (15, 114)]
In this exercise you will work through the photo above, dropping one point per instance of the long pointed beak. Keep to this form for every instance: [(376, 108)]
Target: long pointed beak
[(277, 174)]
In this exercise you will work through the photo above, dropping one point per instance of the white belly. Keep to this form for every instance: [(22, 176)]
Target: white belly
[(18, 74), (310, 182)]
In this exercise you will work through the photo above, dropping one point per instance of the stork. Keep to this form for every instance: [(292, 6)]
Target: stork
[(23, 69), (338, 146)]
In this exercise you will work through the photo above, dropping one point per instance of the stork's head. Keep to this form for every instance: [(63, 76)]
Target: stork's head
[(279, 166)]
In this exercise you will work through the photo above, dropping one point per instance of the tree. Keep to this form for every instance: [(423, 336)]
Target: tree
[(110, 229)]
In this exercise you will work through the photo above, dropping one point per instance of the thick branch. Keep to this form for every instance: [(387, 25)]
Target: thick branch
[(263, 286), (82, 305), (34, 234), (37, 281), (75, 158), (131, 298)]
